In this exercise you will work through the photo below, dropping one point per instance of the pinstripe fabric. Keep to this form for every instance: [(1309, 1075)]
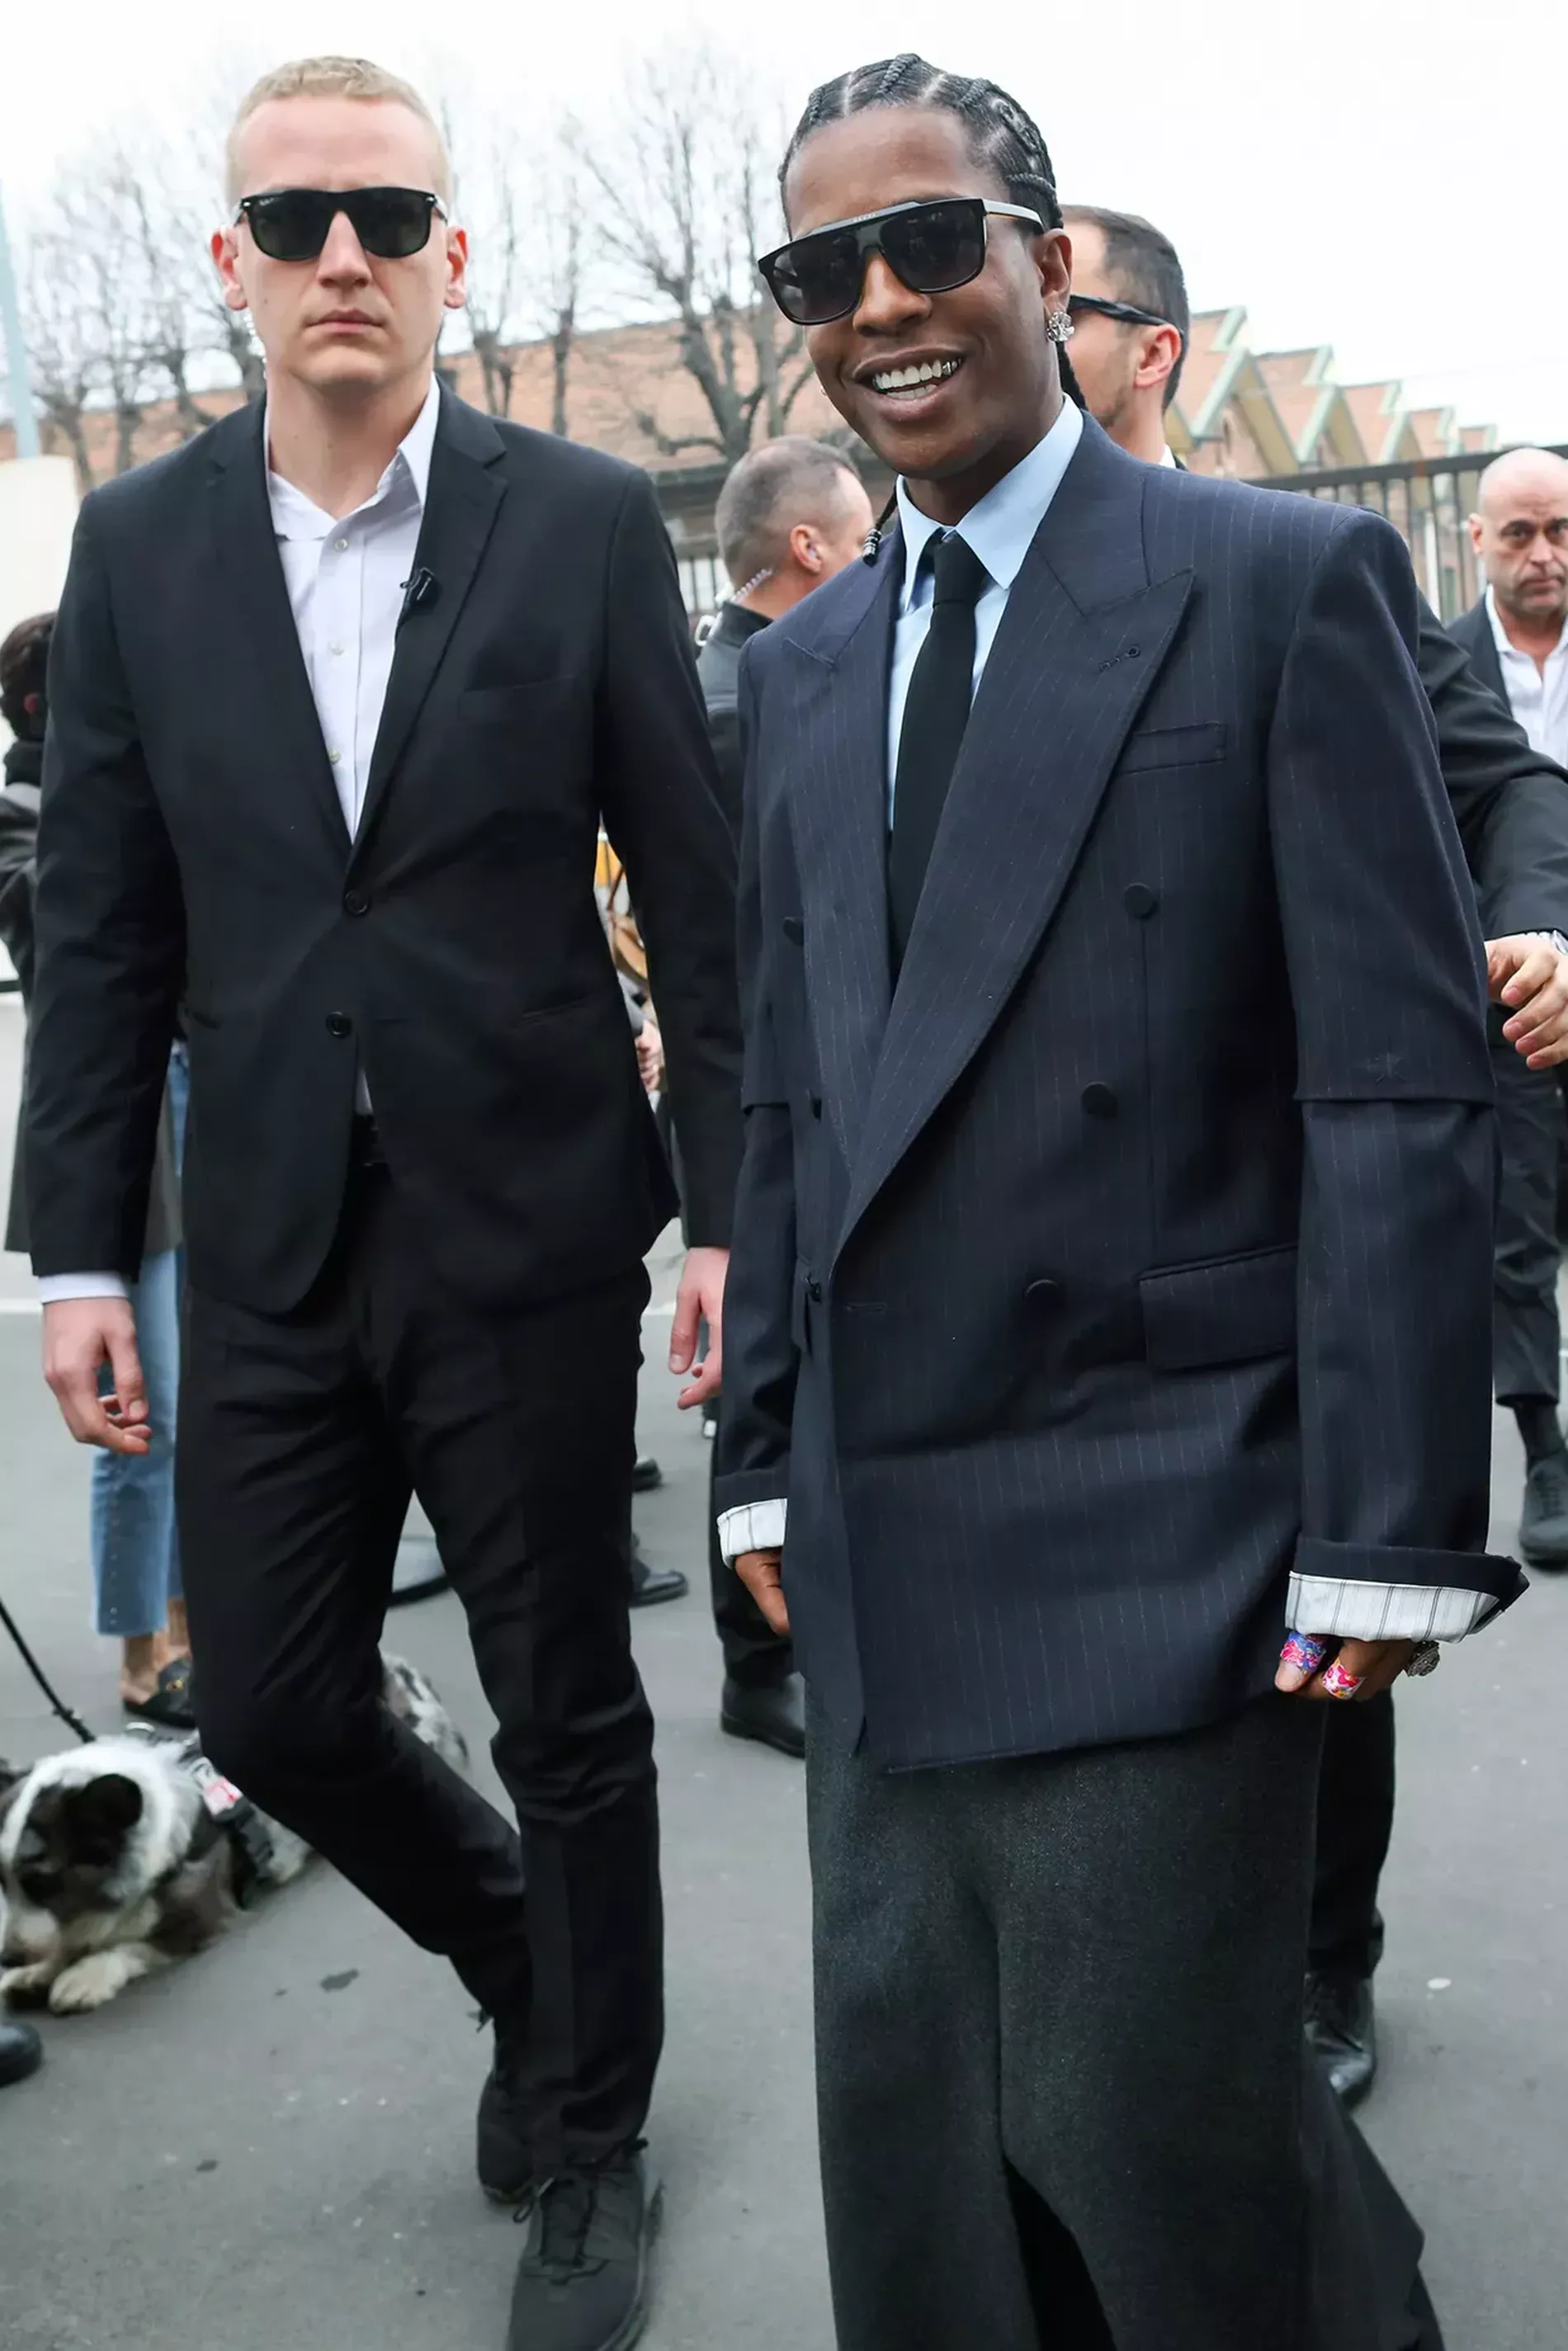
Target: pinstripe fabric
[(1138, 1252)]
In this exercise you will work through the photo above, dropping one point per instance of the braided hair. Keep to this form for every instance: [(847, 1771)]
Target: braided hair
[(1001, 137)]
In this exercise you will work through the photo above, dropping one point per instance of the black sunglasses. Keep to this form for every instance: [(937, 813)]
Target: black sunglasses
[(931, 245), (294, 224), (1127, 312)]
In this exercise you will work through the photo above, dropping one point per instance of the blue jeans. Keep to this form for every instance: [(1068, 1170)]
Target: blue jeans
[(135, 1546)]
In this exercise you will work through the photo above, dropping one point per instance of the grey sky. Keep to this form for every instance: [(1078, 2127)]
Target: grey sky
[(1383, 176)]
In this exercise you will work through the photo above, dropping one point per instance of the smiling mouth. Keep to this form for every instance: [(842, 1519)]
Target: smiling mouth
[(906, 382)]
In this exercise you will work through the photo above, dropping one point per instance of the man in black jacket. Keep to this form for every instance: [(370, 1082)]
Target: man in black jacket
[(1510, 803), (340, 693), (790, 515)]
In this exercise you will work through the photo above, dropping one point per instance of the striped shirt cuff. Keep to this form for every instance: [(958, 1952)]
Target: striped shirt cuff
[(1384, 1611), (754, 1526), (53, 1288)]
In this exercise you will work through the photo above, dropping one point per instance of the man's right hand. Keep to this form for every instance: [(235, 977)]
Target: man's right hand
[(761, 1572), (80, 1335)]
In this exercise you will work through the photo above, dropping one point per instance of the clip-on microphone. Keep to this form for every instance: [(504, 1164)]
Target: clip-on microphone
[(419, 593)]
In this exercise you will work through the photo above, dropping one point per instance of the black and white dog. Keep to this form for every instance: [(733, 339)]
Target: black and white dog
[(119, 1858)]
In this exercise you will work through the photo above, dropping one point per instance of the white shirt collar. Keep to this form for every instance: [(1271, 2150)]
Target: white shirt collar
[(999, 529), (295, 516), (1505, 643), (1168, 457)]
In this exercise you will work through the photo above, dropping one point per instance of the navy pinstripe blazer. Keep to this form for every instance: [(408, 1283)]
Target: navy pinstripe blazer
[(1139, 1246)]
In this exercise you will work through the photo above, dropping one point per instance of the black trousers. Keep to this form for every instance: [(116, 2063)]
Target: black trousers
[(300, 1440), (1355, 1823), (1526, 1336), (1064, 2095)]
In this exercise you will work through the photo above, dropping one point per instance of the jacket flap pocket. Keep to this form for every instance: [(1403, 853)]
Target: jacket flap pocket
[(1172, 747), (1228, 1310)]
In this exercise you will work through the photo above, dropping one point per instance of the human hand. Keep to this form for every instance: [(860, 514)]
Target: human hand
[(1345, 1670), (761, 1572), (700, 1298), (1528, 976), (650, 1058), (80, 1335)]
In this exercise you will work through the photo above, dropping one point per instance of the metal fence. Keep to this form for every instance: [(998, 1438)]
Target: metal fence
[(1429, 501)]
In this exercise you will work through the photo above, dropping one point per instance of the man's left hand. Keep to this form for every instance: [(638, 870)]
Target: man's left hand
[(699, 1300), (1373, 1666), (1529, 977)]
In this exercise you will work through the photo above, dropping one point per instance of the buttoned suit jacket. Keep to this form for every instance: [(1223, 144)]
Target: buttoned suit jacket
[(1136, 1249), (191, 842)]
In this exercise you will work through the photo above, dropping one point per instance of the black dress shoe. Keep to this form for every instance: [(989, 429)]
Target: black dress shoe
[(646, 1474), (21, 2051), (773, 1713), (582, 2283), (504, 2148), (1342, 2027), (650, 1585), (1544, 1520)]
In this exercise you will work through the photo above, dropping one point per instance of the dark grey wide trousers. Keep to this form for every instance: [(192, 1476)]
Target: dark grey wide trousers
[(1063, 2093)]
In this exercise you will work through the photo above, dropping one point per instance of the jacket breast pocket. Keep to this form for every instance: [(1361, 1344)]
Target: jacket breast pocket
[(1174, 746), (1231, 1309)]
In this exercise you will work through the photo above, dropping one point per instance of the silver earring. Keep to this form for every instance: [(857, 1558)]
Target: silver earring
[(1058, 326)]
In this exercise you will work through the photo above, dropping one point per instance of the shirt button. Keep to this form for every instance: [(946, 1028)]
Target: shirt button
[(342, 544), (335, 649), (339, 1025), (334, 756)]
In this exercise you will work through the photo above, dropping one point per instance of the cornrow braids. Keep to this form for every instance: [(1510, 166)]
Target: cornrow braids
[(1002, 137)]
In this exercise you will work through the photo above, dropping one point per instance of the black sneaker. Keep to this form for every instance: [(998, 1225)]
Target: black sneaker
[(1342, 2026), (1544, 1520), (504, 2149), (582, 2283), (21, 2051)]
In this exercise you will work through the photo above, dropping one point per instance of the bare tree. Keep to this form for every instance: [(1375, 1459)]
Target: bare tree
[(686, 196), (60, 344), (560, 205)]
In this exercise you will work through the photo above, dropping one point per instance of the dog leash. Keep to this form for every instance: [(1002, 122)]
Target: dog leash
[(72, 1722)]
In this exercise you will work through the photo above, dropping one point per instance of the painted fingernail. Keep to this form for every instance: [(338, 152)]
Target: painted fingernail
[(1338, 1683), (1303, 1651)]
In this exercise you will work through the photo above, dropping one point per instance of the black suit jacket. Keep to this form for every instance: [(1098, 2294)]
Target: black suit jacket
[(1138, 1248), (192, 839), (1510, 803), (718, 674)]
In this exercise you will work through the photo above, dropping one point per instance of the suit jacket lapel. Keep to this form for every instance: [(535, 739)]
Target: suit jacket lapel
[(244, 546), (839, 809), (462, 501), (1081, 643)]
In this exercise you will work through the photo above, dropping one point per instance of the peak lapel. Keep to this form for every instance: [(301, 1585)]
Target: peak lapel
[(839, 704), (460, 508), (245, 547), (1081, 643)]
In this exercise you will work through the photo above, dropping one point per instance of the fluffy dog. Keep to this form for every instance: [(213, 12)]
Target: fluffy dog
[(119, 1858)]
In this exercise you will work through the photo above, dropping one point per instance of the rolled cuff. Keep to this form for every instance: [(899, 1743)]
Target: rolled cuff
[(753, 1525), (1364, 1592), (54, 1287)]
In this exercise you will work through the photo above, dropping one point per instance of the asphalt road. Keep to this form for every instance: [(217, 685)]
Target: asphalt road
[(270, 2149)]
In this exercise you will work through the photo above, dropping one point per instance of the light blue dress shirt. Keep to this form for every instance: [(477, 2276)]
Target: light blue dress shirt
[(998, 530)]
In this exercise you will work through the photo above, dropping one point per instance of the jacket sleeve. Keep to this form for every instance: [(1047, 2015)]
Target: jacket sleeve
[(1509, 802), (18, 842), (661, 810), (1395, 1094), (110, 949), (760, 1361)]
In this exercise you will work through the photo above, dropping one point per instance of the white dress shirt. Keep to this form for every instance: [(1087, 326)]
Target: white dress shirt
[(1539, 701), (998, 530), (346, 576)]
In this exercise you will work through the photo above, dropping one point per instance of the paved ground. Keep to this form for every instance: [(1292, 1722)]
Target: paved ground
[(269, 2150)]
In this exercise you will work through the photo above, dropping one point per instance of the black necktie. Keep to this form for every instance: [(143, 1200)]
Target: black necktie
[(934, 717)]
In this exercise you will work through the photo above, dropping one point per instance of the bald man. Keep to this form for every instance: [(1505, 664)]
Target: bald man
[(1517, 641)]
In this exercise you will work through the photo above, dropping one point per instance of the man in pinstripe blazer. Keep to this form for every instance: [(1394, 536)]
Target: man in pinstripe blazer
[(1111, 1287)]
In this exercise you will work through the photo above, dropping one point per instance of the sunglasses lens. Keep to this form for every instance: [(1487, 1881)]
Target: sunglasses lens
[(391, 222), (818, 279), (290, 226), (937, 246)]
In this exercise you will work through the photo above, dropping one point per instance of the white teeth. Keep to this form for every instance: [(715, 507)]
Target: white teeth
[(910, 378)]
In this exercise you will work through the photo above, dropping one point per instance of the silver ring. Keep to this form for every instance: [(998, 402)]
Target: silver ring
[(1428, 1656)]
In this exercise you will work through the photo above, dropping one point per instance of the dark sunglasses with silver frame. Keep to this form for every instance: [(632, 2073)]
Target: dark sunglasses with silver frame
[(932, 246), (294, 224)]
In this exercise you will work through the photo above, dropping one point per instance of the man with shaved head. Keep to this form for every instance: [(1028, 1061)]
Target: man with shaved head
[(1517, 636)]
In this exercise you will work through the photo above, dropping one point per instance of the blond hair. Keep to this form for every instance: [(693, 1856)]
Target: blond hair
[(334, 78)]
